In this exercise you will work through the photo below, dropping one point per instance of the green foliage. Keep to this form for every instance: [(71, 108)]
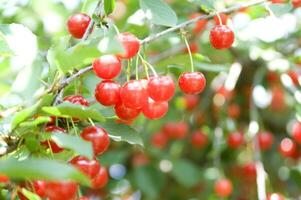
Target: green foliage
[(109, 6), (281, 9)]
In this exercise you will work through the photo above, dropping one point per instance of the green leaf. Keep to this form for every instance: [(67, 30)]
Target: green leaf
[(114, 156), (185, 172), (159, 12), (75, 143), (280, 9), (67, 109), (121, 132), (211, 67), (110, 45), (109, 6), (36, 122), (201, 58), (207, 5), (41, 169), (29, 195)]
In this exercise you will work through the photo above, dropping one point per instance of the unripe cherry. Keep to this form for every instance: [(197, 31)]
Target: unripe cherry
[(77, 24), (154, 109), (161, 88), (130, 43), (107, 93), (107, 66), (221, 37), (192, 82), (223, 187)]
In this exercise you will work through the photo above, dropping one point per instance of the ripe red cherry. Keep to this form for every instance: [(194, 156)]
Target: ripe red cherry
[(107, 93), (296, 3), (175, 130), (159, 140), (249, 170), (50, 144), (126, 113), (77, 99), (235, 140), (161, 88), (77, 24), (192, 82), (130, 44), (61, 190), (133, 94), (265, 140), (296, 132), (199, 139), (101, 178), (275, 196), (107, 66), (86, 166), (199, 25), (221, 37), (3, 178), (194, 48), (223, 187), (154, 109), (288, 148), (234, 111), (99, 138), (224, 19), (191, 101), (40, 188), (278, 1)]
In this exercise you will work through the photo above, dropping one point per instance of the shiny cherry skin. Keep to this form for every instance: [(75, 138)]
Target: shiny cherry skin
[(107, 93), (77, 25), (86, 166), (175, 130), (99, 138), (130, 43), (159, 140), (133, 94), (161, 88), (235, 140), (107, 66), (40, 188), (199, 139), (191, 101), (77, 99), (50, 144), (154, 109), (223, 187), (224, 19), (296, 3), (288, 148), (101, 179), (296, 132), (199, 25), (126, 113), (192, 82), (221, 37), (61, 190), (265, 140), (275, 196)]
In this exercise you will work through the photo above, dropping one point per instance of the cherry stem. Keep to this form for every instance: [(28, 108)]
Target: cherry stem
[(116, 29), (137, 73), (91, 121), (219, 18), (149, 65), (74, 127), (128, 71), (189, 52)]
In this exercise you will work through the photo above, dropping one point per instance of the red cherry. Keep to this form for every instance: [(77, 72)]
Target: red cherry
[(140, 159), (235, 140), (296, 3), (191, 101), (154, 109), (265, 140), (107, 93), (224, 19), (192, 82), (194, 48), (50, 144), (133, 94), (107, 67), (221, 37), (77, 99), (126, 113), (101, 178), (288, 148), (175, 130), (3, 178), (223, 187), (99, 138), (61, 190), (199, 25), (296, 132), (77, 24), (159, 140), (249, 170), (278, 99), (199, 139), (234, 111), (275, 196), (86, 166), (40, 188), (278, 1), (161, 88), (130, 44)]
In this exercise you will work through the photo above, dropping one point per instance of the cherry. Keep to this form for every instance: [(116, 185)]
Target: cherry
[(154, 109), (86, 166), (249, 170), (287, 147), (194, 48), (278, 1), (296, 132), (265, 140), (223, 187), (77, 24), (296, 3), (191, 101), (50, 144), (61, 190), (107, 93), (77, 99), (130, 44), (294, 75), (99, 138), (161, 88), (278, 99), (40, 188), (275, 196), (140, 159), (3, 178), (235, 140), (199, 139), (101, 178), (126, 113), (133, 94), (192, 82), (199, 25), (159, 140), (234, 111), (107, 66), (175, 130), (224, 19), (221, 37)]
